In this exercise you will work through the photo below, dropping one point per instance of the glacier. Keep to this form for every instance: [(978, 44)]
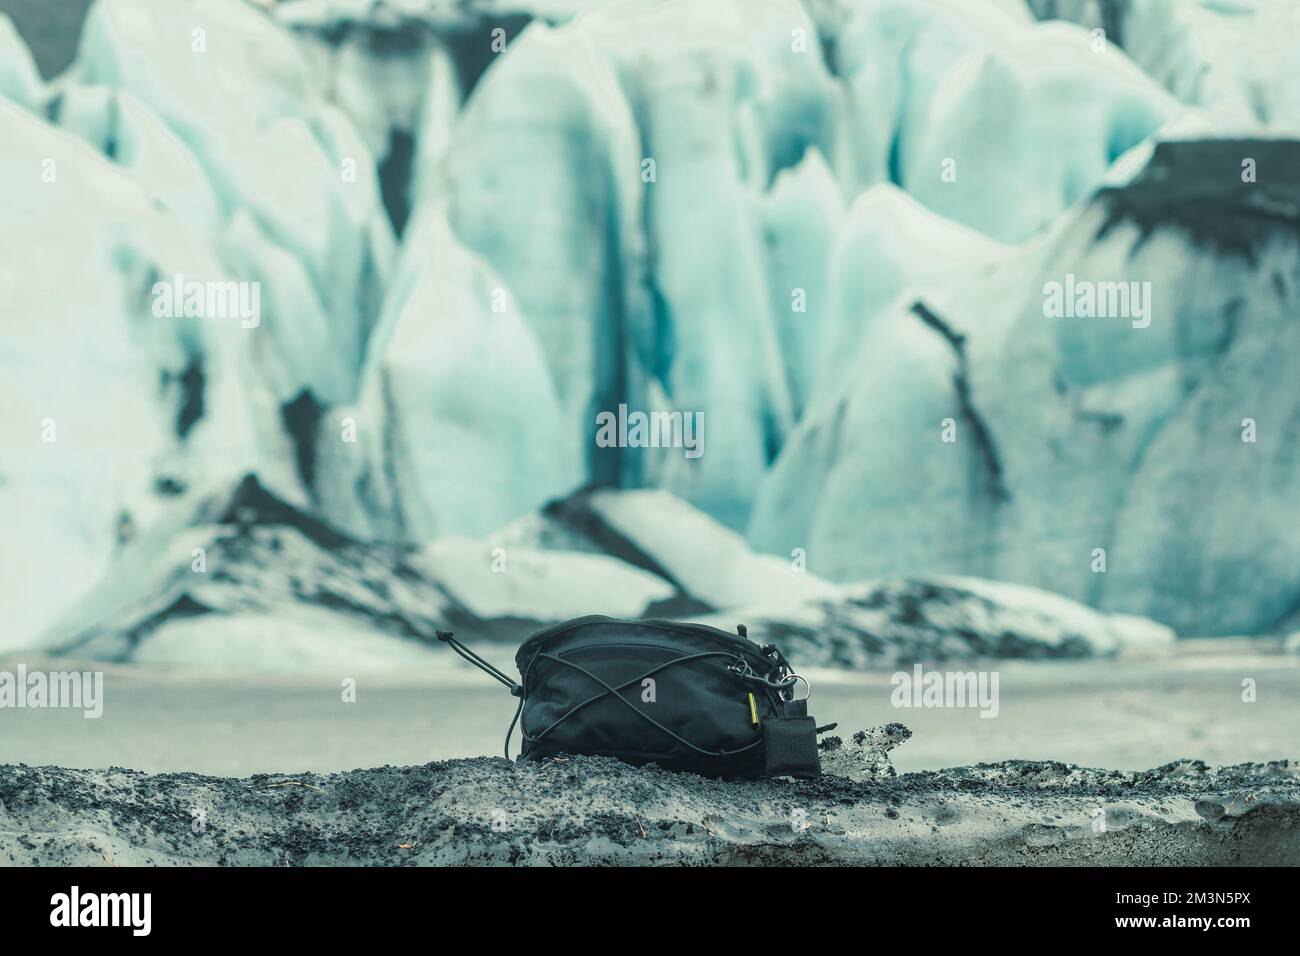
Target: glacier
[(458, 422), (20, 82), (1084, 434), (235, 96), (1227, 57), (101, 425), (826, 226)]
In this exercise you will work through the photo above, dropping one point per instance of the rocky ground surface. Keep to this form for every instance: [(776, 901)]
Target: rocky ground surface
[(600, 811)]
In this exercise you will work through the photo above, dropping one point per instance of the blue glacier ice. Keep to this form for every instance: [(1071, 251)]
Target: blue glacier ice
[(1073, 435), (237, 95), (20, 82), (829, 228), (99, 394), (1227, 57), (458, 425)]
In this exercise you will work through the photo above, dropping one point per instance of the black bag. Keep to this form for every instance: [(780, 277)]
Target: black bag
[(683, 696)]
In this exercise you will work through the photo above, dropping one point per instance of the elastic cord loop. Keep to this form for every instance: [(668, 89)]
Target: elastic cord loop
[(449, 639)]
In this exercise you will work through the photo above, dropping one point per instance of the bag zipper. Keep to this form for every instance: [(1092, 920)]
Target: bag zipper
[(699, 630)]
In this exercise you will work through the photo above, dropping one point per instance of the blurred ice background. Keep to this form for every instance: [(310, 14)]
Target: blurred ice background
[(826, 225)]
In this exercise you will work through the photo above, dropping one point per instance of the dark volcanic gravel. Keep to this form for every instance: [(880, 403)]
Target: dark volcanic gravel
[(597, 810)]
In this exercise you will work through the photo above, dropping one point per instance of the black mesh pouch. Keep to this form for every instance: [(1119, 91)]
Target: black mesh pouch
[(790, 747)]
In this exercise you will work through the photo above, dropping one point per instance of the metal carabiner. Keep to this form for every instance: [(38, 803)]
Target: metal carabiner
[(794, 680)]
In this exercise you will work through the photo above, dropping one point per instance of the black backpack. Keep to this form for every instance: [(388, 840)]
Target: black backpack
[(683, 696)]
